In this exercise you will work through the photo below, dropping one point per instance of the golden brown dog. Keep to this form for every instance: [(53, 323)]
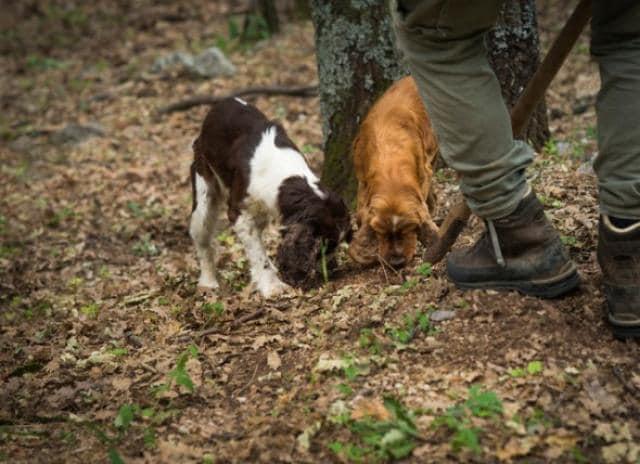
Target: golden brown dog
[(393, 154)]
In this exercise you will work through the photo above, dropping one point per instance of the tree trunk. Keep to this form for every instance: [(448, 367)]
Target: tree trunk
[(357, 61), (514, 55), (270, 14)]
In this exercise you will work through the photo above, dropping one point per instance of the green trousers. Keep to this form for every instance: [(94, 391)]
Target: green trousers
[(443, 41)]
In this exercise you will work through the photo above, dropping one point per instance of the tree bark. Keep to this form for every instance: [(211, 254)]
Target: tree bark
[(357, 61), (514, 51)]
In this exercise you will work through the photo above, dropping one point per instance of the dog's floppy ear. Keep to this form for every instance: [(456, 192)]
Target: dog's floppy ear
[(297, 255), (363, 249)]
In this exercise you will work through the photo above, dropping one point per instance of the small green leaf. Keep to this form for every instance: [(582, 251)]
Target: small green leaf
[(425, 269), (118, 351), (181, 377), (534, 367), (466, 437), (483, 403), (114, 456), (149, 437), (124, 417), (336, 447), (193, 351), (345, 389), (351, 372)]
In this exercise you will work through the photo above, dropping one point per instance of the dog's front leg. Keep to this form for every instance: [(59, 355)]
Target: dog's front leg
[(263, 274)]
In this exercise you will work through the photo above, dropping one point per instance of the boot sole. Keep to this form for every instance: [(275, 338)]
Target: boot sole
[(548, 288), (624, 332)]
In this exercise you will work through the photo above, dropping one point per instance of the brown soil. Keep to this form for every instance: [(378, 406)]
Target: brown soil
[(98, 298)]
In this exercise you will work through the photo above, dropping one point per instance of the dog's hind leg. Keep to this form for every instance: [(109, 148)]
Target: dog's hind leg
[(206, 204), (263, 273)]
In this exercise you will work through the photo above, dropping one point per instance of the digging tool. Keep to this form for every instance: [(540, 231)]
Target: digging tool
[(520, 114)]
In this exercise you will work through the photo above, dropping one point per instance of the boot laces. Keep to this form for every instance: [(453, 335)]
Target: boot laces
[(496, 245)]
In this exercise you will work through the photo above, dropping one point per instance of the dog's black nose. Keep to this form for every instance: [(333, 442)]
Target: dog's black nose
[(397, 261)]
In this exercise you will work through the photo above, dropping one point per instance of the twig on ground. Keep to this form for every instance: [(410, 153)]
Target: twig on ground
[(305, 92), (247, 317), (234, 325), (255, 371), (384, 265)]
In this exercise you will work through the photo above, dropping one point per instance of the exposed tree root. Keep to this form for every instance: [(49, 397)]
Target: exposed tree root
[(182, 105)]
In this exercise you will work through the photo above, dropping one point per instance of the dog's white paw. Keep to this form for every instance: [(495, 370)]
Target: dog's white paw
[(270, 286), (208, 282)]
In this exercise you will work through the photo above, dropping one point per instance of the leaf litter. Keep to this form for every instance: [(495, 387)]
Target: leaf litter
[(108, 352)]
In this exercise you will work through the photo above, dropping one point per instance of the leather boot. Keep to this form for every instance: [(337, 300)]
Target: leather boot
[(619, 258), (521, 251)]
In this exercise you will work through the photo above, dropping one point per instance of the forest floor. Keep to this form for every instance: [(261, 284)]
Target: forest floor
[(109, 353)]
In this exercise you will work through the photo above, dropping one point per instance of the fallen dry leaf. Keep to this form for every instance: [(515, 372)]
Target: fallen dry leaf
[(273, 360), (517, 447), (370, 407)]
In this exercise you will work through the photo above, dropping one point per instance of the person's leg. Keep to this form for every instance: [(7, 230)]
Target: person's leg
[(616, 46), (443, 42)]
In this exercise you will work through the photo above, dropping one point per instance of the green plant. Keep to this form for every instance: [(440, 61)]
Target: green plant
[(344, 389), (135, 209), (7, 251), (458, 418), (145, 247), (323, 261), (42, 63), (425, 269), (569, 241), (255, 28), (537, 421), (534, 367), (377, 439), (551, 147), (413, 325), (408, 285), (351, 368), (368, 340), (60, 216), (179, 374), (550, 201), (90, 310), (117, 352), (225, 238), (211, 309)]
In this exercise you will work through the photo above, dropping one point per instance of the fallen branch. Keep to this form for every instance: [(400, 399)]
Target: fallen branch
[(305, 92)]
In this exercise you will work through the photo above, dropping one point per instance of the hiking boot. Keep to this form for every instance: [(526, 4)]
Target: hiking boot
[(619, 258), (521, 251)]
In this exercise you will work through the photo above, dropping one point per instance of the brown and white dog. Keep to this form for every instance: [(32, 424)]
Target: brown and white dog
[(242, 157), (394, 154)]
